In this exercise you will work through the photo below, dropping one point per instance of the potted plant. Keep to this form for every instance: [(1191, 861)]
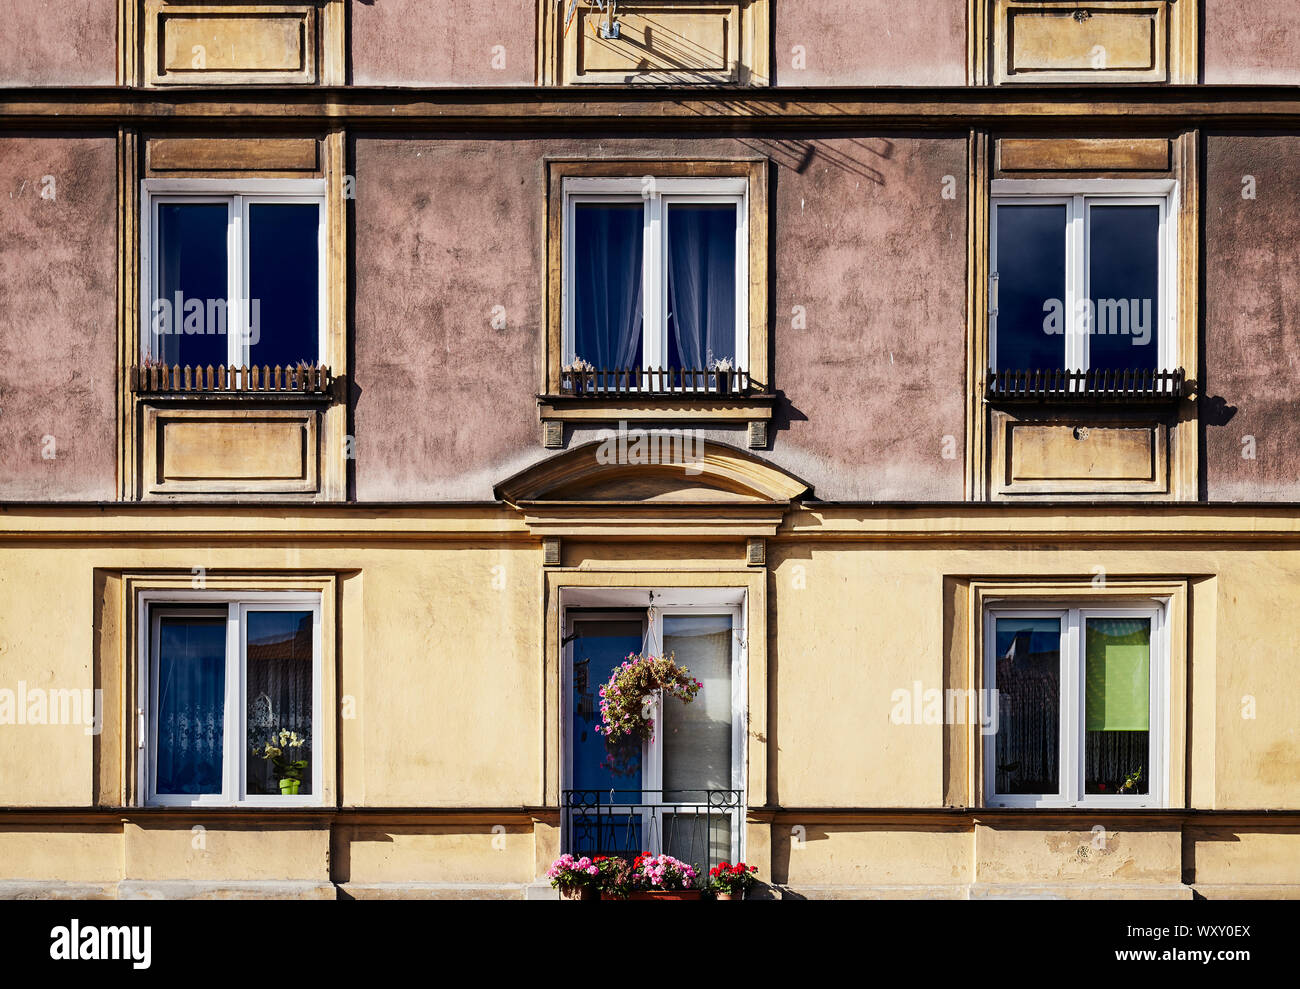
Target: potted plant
[(614, 879), (288, 770), (626, 700), (573, 376), (662, 877), (721, 369), (729, 882), (576, 879)]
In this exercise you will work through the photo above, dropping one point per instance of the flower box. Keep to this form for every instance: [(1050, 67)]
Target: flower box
[(665, 894)]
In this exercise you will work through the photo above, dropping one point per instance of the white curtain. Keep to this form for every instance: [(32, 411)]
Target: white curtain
[(191, 705)]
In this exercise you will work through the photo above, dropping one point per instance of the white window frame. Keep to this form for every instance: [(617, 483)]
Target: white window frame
[(657, 194), (237, 196), (1072, 695), (1078, 196), (152, 606), (669, 601)]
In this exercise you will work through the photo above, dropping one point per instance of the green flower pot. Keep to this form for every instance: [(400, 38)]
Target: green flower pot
[(288, 786)]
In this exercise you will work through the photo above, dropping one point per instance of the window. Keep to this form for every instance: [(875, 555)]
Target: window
[(1082, 700), (679, 793), (231, 698), (1081, 277), (234, 275), (655, 278)]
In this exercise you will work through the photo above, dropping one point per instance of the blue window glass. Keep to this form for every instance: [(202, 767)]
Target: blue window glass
[(1124, 284), (1028, 682), (1031, 287), (189, 318), (284, 283)]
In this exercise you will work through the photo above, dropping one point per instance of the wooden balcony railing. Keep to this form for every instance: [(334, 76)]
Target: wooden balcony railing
[(615, 382), (1099, 386), (173, 379)]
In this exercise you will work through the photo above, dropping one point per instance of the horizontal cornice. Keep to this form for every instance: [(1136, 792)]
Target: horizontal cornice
[(1163, 524), (634, 109)]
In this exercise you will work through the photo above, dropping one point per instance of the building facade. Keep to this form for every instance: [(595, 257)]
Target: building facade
[(377, 376)]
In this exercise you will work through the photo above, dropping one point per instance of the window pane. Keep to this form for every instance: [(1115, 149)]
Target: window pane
[(1117, 705), (189, 317), (697, 736), (1031, 318), (1124, 273), (279, 651), (607, 303), (701, 284), (191, 670), (284, 287), (598, 763), (1028, 682)]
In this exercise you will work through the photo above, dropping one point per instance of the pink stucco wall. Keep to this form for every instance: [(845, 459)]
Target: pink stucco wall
[(862, 239), (1257, 42), (58, 43), (444, 43), (58, 349), (1252, 312), (869, 43), (875, 254)]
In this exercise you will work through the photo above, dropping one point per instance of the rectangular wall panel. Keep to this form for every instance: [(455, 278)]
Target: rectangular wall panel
[(241, 451), (205, 44)]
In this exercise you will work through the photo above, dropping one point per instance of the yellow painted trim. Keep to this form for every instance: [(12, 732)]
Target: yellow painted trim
[(754, 583), (716, 465), (558, 169), (1089, 591), (977, 308), (118, 661)]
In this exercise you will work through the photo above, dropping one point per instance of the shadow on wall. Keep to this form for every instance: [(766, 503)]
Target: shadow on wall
[(856, 156)]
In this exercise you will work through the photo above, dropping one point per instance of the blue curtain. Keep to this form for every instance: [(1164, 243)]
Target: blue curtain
[(191, 704), (701, 284), (607, 313)]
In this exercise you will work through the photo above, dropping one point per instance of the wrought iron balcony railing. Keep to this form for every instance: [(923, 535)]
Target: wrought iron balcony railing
[(700, 827), (618, 382), (1135, 385)]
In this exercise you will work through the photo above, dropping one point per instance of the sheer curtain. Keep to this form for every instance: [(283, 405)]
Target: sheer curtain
[(279, 675), (697, 750), (1028, 681), (607, 254), (701, 284), (191, 704)]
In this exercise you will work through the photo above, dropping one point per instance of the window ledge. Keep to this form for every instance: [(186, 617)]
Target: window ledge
[(1089, 388), (629, 406)]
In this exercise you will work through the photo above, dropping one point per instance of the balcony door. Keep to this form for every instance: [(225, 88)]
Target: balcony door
[(679, 793)]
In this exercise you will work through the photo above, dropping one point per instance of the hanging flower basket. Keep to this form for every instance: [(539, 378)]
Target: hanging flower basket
[(626, 700)]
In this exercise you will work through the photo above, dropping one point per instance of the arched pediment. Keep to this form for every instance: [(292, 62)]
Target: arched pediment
[(652, 468)]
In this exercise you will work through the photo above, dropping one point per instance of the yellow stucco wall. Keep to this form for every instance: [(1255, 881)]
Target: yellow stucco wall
[(441, 645)]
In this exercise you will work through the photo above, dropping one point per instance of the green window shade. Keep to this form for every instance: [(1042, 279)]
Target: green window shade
[(1118, 692)]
